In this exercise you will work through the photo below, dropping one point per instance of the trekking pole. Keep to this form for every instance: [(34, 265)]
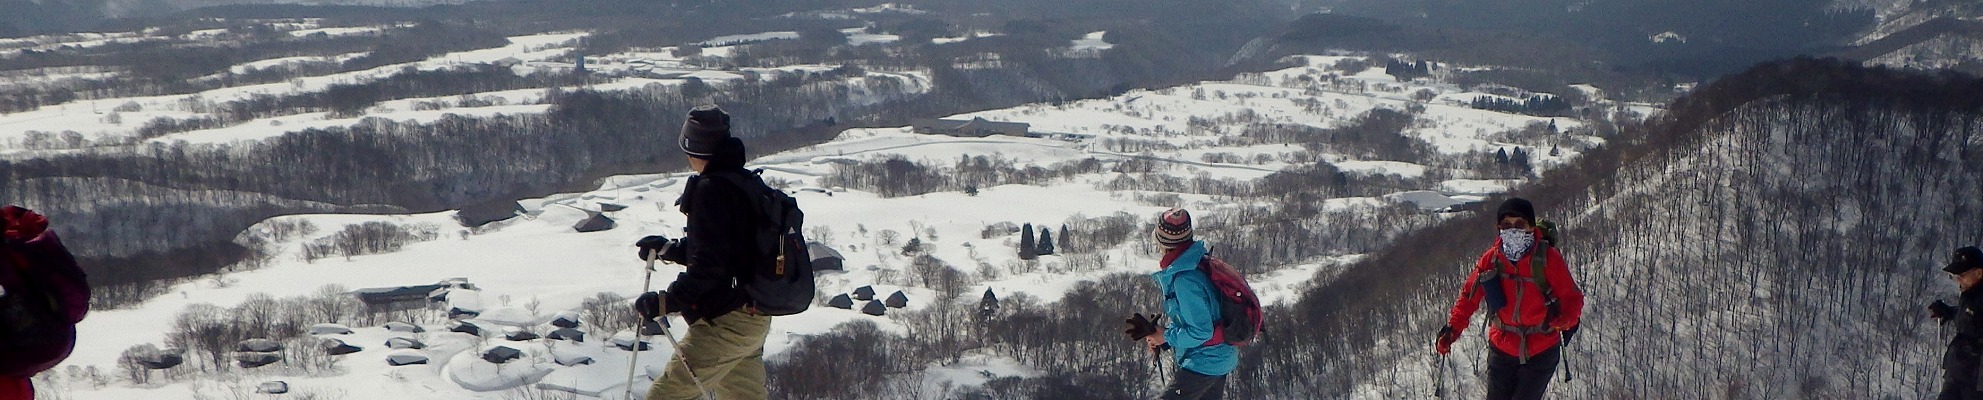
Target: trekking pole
[(1565, 355), (1566, 362), (639, 338), (646, 285), (1439, 375)]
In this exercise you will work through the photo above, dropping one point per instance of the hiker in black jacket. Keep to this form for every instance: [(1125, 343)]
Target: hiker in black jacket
[(725, 345), (1961, 377)]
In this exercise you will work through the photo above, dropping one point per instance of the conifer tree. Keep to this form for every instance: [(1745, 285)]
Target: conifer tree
[(1026, 246)]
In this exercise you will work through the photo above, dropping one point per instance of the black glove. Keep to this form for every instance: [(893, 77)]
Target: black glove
[(651, 304), (652, 247), (1141, 326), (1942, 311)]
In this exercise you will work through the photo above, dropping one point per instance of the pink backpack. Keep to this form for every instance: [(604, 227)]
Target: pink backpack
[(1239, 309)]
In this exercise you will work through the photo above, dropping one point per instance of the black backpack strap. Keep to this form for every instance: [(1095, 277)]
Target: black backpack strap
[(754, 188)]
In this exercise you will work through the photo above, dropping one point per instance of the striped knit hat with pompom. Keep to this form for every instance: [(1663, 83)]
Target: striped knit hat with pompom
[(1173, 227)]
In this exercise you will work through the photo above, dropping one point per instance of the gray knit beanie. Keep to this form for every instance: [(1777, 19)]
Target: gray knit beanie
[(705, 131)]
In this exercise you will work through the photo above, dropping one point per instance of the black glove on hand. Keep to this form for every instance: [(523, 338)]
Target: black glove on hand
[(652, 247), (651, 304), (1942, 311), (1141, 326)]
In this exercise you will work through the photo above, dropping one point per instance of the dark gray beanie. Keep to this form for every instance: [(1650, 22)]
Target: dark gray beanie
[(1518, 207), (705, 130)]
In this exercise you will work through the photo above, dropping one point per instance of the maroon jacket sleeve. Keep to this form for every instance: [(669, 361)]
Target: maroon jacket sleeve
[(1569, 297)]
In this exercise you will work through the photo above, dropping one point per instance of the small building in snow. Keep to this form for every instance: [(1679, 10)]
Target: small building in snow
[(339, 347), (403, 327), (253, 359), (404, 343), (161, 361), (825, 258), (594, 222), (502, 354), (974, 127), (570, 334), (483, 213), (406, 357)]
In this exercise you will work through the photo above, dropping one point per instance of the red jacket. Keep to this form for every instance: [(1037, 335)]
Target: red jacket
[(13, 388), (1533, 307)]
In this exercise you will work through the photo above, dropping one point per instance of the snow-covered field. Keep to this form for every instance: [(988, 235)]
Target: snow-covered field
[(540, 259), (114, 120), (1286, 96)]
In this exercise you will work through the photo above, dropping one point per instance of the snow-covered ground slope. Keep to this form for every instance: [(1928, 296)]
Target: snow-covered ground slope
[(532, 267)]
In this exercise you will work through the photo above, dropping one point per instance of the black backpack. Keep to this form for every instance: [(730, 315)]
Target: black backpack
[(785, 285)]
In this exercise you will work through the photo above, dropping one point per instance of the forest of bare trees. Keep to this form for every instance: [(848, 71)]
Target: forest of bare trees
[(1773, 236)]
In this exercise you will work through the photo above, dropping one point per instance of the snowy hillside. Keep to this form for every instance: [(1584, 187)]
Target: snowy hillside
[(1713, 263), (530, 268), (104, 121)]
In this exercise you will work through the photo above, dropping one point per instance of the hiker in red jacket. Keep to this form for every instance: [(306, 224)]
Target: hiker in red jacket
[(1527, 313), (43, 294)]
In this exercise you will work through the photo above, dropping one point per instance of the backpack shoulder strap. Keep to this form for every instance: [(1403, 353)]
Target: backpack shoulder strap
[(1538, 266), (749, 183), (743, 181)]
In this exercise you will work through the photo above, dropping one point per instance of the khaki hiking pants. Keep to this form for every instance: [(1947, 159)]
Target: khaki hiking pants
[(727, 355)]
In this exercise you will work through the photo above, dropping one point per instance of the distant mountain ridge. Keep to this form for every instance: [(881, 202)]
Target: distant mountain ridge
[(1924, 35), (30, 17)]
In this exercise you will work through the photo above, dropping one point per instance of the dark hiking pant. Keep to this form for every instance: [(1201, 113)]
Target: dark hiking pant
[(1509, 379), (1195, 386), (1959, 390)]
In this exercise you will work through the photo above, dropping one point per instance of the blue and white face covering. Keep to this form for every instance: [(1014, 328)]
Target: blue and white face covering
[(1516, 242)]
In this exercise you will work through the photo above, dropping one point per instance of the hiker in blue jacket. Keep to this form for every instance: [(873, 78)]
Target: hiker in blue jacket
[(1203, 358)]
